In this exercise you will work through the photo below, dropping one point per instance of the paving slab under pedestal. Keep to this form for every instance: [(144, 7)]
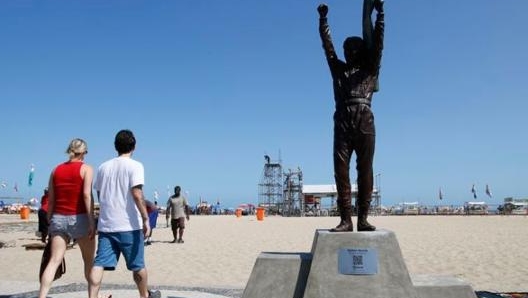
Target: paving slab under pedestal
[(439, 286)]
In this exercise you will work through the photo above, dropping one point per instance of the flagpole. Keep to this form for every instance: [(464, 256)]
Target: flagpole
[(30, 179), (378, 196)]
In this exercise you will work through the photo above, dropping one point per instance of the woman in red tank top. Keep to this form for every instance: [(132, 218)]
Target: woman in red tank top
[(70, 212)]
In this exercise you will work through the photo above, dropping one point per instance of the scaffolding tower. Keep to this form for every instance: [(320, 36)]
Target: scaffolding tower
[(270, 186), (293, 199)]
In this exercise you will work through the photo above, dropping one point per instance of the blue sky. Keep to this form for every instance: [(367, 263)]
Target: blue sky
[(210, 87)]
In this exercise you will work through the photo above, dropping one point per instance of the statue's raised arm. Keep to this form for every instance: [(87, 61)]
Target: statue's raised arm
[(324, 32), (373, 35), (368, 28)]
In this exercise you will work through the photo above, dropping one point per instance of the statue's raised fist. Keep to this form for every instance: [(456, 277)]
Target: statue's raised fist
[(378, 5), (323, 10)]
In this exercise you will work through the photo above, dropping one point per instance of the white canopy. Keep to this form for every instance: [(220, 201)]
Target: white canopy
[(323, 190), (476, 203)]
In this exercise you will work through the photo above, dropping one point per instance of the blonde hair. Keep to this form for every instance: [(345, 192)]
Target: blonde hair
[(76, 148)]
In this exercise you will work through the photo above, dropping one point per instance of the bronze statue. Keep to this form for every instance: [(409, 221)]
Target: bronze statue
[(354, 81)]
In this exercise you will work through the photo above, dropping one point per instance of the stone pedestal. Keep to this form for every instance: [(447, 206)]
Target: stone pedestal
[(279, 275), (321, 272), (392, 279)]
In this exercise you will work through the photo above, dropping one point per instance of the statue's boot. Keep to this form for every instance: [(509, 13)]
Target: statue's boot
[(363, 225), (345, 212)]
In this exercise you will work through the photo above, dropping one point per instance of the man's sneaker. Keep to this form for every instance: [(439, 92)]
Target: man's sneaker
[(154, 294)]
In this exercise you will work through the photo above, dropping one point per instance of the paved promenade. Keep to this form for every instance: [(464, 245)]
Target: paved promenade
[(16, 290)]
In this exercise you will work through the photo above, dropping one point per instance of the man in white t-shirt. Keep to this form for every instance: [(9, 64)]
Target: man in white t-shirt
[(123, 219)]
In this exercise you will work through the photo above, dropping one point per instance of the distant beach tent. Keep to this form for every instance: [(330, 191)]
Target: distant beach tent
[(203, 208), (477, 208), (411, 208), (313, 193), (321, 190), (516, 206), (328, 190)]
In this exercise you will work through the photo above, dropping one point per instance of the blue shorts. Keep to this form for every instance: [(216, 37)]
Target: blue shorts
[(153, 218), (69, 226), (111, 245)]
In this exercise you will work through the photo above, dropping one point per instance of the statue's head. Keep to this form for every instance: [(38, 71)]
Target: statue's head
[(354, 48)]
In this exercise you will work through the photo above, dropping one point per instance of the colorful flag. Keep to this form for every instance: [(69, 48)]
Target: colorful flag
[(440, 195), (474, 191), (31, 174), (488, 191)]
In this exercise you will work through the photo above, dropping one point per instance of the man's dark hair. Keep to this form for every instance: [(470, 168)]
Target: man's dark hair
[(125, 142), (177, 190)]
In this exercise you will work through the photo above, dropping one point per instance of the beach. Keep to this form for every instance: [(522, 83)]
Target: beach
[(488, 252)]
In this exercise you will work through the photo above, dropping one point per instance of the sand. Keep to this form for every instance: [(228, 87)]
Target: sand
[(488, 252)]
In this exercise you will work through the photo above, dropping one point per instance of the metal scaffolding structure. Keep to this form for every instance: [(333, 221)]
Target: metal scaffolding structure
[(293, 199), (270, 186), (282, 193)]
